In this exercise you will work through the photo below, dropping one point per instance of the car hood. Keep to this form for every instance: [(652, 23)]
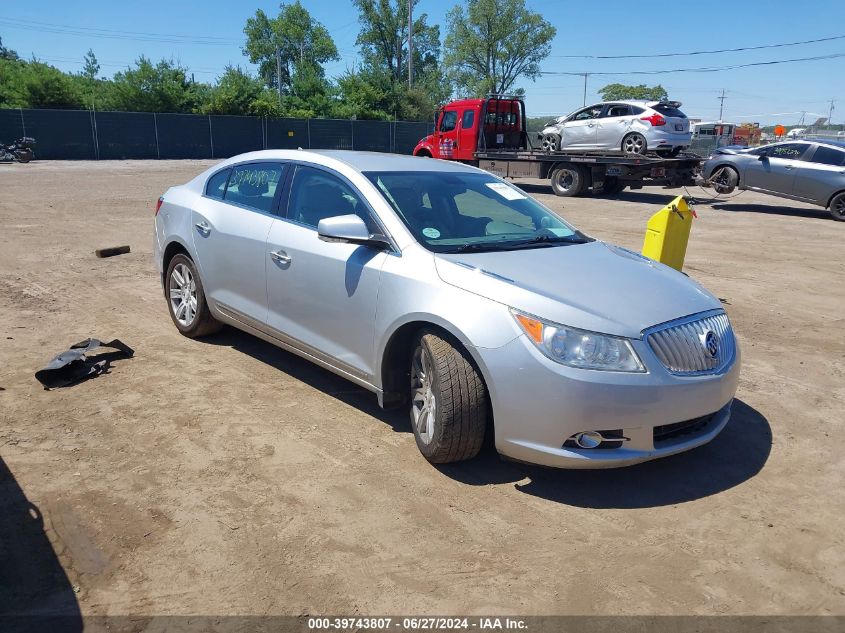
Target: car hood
[(593, 286)]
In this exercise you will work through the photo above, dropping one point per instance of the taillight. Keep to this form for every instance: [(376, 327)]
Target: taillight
[(654, 119), (158, 204)]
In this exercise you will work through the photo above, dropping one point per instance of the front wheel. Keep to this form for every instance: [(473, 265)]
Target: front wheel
[(837, 207), (634, 143), (724, 179), (186, 299), (551, 142), (448, 401)]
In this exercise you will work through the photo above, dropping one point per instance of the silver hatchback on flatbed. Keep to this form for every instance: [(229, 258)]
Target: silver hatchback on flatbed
[(450, 292)]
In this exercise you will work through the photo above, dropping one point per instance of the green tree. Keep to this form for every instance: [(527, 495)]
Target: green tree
[(236, 92), (493, 43), (298, 37), (91, 66), (46, 86), (161, 87), (7, 53), (617, 92)]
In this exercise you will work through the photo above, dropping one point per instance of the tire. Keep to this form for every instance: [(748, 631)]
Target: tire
[(837, 207), (24, 155), (448, 403), (191, 296), (568, 180), (724, 179), (612, 186), (550, 142), (634, 144)]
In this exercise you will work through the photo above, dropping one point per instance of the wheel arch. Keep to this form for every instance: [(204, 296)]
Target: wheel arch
[(173, 248), (830, 200)]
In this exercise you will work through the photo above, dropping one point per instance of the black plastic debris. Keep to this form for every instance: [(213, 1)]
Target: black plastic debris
[(73, 365)]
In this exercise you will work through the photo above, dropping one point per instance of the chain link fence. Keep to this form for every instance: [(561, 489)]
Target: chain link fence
[(89, 135)]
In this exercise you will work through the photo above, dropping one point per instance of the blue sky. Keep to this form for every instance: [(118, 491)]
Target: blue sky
[(768, 94)]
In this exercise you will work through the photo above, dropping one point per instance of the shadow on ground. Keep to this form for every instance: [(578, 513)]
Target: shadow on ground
[(736, 455), (626, 196), (773, 209), (35, 592)]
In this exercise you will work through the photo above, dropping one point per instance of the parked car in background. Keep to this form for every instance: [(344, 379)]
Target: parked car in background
[(632, 127), (809, 171), (452, 293)]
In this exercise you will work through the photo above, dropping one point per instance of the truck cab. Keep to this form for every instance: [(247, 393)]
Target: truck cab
[(467, 126)]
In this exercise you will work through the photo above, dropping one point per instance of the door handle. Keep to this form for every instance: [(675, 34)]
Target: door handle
[(203, 227), (280, 257)]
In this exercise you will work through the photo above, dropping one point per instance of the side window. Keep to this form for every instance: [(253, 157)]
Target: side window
[(829, 156), (468, 119), (618, 109), (316, 194), (216, 185), (588, 113), (637, 110), (790, 151), (254, 185), (449, 121)]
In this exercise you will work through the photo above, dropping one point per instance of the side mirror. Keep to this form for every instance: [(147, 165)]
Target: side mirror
[(349, 229)]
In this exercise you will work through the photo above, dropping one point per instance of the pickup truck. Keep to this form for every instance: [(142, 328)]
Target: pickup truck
[(491, 133)]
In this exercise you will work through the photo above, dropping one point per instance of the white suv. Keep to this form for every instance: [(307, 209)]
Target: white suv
[(632, 127)]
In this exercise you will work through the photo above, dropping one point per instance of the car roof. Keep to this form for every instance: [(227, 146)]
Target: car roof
[(357, 160), (824, 141)]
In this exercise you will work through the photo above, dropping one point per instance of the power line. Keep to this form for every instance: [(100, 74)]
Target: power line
[(701, 69), (712, 52)]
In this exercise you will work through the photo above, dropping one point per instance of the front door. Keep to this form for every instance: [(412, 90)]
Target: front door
[(446, 134), (579, 131), (230, 231), (467, 134), (322, 295), (776, 168)]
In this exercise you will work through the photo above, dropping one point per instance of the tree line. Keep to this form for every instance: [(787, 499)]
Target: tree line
[(489, 47)]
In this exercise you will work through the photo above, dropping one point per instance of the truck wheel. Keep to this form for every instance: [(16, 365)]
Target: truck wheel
[(634, 143), (837, 207), (551, 142), (448, 401), (568, 181), (724, 179)]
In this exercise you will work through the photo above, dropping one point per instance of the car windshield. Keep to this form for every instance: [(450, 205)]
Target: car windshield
[(452, 212)]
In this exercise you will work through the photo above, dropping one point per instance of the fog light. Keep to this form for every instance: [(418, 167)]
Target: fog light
[(588, 439)]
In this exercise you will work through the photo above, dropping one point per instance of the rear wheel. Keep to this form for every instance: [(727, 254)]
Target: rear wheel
[(634, 143), (724, 179), (837, 207), (186, 299), (24, 155), (568, 180), (448, 401)]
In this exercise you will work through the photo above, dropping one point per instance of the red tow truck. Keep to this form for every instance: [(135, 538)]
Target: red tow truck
[(491, 133)]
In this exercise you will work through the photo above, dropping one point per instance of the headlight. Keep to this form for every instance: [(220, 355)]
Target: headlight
[(580, 348)]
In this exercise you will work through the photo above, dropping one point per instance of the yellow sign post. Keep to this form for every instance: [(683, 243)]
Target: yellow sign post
[(667, 233)]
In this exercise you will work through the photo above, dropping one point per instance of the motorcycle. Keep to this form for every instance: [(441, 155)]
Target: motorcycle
[(20, 150)]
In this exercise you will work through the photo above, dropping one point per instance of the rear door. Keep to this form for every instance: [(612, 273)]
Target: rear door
[(579, 130), (821, 175), (230, 230), (613, 124), (776, 167)]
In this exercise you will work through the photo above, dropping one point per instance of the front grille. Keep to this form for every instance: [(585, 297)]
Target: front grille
[(666, 432), (682, 345)]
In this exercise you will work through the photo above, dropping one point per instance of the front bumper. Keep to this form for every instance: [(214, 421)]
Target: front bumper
[(539, 404)]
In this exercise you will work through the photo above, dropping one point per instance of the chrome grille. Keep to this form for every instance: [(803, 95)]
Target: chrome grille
[(680, 345)]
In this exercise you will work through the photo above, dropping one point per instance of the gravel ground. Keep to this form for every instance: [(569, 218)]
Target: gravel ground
[(226, 476)]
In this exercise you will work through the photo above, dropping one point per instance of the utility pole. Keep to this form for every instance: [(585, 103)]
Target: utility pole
[(279, 73), (410, 42), (830, 114), (721, 104), (585, 88)]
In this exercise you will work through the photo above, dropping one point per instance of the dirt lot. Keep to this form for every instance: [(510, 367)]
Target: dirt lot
[(228, 477)]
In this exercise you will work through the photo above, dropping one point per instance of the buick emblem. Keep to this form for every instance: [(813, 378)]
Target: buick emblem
[(710, 340)]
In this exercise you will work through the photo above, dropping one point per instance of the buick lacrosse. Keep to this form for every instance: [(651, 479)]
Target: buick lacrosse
[(450, 292)]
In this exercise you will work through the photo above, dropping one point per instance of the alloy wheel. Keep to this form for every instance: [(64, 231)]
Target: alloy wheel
[(183, 295), (423, 400), (634, 144)]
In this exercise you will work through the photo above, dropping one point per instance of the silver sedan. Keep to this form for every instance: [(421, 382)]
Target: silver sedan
[(808, 171), (452, 293)]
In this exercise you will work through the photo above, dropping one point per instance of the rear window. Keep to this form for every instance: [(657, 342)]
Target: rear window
[(829, 156), (667, 110)]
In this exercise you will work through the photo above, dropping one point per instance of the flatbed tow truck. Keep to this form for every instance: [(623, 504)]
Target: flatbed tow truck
[(491, 133)]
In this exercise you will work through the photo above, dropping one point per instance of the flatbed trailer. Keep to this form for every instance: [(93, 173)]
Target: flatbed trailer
[(573, 173), (491, 133)]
